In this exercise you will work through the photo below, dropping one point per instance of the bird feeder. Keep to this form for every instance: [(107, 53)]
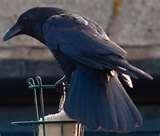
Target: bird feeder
[(58, 124), (62, 126)]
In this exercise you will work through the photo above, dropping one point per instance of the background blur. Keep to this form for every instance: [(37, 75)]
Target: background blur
[(133, 24)]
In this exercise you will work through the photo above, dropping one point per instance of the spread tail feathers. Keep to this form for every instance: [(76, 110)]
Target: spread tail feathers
[(100, 102)]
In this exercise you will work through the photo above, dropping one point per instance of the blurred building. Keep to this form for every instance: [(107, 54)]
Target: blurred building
[(133, 24)]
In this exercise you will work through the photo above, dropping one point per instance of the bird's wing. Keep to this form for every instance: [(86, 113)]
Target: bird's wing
[(81, 40)]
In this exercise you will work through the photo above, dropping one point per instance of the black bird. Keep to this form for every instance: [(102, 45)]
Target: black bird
[(91, 63)]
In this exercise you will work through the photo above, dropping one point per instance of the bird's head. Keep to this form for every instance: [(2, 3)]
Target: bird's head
[(31, 21)]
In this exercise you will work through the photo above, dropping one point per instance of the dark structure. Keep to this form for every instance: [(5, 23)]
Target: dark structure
[(96, 97)]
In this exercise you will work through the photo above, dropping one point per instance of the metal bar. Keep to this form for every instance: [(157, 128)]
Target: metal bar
[(35, 132), (45, 86), (60, 80), (48, 86), (42, 86), (39, 82), (24, 123), (40, 122), (32, 83)]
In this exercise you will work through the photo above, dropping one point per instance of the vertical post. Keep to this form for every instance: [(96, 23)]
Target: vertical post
[(39, 82), (32, 83)]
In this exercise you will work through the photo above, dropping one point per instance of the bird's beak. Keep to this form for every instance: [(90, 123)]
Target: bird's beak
[(13, 31)]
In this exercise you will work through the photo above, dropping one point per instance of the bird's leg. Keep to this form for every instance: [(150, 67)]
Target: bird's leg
[(64, 87), (61, 86), (63, 97)]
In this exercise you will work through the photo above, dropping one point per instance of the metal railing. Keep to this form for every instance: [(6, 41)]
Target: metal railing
[(36, 85)]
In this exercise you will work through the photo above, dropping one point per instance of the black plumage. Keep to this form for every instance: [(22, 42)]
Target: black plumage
[(91, 63)]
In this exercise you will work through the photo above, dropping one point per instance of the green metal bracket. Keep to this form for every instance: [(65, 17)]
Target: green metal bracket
[(36, 85)]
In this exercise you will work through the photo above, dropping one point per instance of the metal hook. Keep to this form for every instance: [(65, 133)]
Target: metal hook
[(39, 80), (31, 82)]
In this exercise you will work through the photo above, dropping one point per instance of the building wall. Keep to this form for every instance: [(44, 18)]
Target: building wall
[(134, 24)]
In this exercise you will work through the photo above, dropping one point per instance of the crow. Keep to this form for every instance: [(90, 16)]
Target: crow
[(92, 64)]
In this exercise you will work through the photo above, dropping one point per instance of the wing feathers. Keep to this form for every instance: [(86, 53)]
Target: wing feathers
[(86, 45)]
